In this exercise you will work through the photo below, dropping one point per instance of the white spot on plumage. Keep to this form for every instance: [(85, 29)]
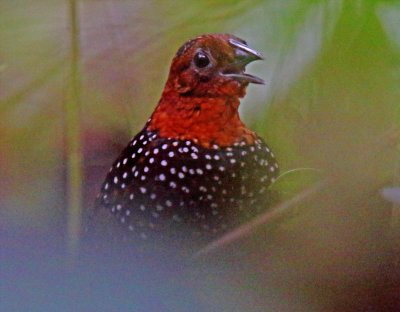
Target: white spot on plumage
[(208, 167), (168, 203), (151, 160), (172, 184), (161, 177), (216, 157), (155, 151), (199, 171), (181, 175), (185, 189), (171, 154), (115, 180), (172, 170), (143, 190), (164, 163), (140, 150), (194, 155), (207, 156), (164, 146)]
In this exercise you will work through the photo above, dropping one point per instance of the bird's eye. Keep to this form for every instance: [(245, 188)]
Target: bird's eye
[(201, 60)]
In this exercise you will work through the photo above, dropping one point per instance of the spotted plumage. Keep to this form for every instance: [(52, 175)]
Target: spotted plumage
[(161, 185), (195, 170)]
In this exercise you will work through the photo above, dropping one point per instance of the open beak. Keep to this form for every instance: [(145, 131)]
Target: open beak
[(243, 56)]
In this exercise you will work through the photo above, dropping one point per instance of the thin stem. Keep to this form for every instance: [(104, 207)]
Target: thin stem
[(74, 153), (296, 170), (247, 228)]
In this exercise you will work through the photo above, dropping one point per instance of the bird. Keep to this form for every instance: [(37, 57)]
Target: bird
[(195, 170)]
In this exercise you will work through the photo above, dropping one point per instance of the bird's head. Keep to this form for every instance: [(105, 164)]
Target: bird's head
[(212, 65)]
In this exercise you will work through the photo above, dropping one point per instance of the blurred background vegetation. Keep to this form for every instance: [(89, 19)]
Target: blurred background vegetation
[(79, 78)]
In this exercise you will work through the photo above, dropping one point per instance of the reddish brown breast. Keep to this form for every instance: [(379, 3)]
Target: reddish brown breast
[(206, 121)]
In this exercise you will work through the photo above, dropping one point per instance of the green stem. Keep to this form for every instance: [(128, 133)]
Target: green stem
[(74, 153)]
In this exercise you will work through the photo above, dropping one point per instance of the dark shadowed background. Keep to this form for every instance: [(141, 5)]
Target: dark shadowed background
[(79, 78)]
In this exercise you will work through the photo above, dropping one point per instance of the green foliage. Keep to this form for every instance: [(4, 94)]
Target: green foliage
[(330, 110), (332, 70)]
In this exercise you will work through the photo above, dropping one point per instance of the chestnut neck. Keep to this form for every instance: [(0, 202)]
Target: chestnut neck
[(204, 120)]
